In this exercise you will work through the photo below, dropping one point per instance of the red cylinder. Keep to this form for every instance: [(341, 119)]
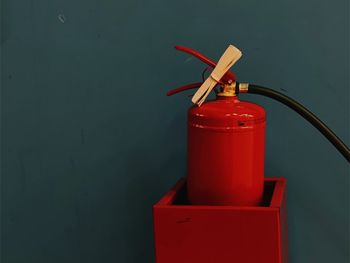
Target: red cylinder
[(226, 144)]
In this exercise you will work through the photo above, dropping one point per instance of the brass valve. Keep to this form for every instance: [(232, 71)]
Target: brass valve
[(228, 90)]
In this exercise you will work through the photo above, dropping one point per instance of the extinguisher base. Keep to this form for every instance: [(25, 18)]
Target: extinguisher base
[(191, 233)]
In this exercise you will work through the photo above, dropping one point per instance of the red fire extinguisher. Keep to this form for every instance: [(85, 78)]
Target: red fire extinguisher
[(226, 141)]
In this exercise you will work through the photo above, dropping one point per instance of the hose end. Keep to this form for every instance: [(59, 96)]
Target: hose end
[(243, 87)]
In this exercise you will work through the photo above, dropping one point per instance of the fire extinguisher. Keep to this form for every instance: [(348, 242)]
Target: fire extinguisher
[(226, 136)]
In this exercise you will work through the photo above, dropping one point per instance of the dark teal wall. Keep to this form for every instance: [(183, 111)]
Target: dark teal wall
[(90, 142)]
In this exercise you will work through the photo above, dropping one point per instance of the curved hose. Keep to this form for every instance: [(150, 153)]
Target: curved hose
[(308, 115)]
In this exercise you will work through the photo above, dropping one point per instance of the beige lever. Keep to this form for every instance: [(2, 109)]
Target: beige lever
[(227, 60)]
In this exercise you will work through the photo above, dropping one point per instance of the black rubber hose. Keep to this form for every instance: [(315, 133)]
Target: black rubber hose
[(308, 115)]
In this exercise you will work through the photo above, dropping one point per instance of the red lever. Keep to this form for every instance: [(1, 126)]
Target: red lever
[(196, 54), (186, 87), (229, 76)]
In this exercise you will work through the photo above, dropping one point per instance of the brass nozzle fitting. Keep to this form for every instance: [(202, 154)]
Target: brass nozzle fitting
[(228, 90), (233, 88)]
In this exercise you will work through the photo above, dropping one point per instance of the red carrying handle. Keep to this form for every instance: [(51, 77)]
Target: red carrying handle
[(229, 76)]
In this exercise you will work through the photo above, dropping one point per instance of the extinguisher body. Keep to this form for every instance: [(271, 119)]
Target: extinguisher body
[(226, 142)]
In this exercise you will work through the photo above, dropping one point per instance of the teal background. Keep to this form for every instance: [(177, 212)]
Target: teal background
[(89, 141)]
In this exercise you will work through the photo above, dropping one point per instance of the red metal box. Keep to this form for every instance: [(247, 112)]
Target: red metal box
[(221, 234)]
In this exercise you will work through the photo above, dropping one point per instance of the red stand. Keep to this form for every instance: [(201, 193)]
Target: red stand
[(221, 234)]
